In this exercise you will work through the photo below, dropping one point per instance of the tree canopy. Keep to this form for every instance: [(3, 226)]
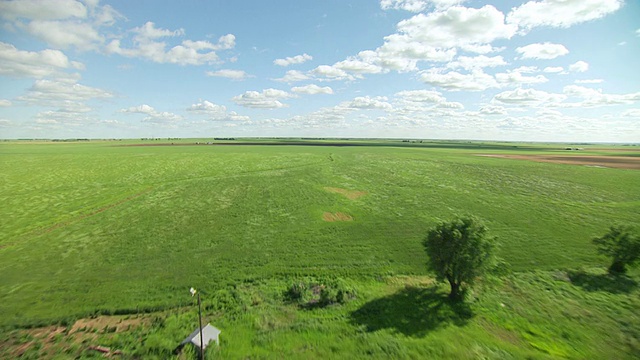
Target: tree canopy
[(459, 251), (621, 245)]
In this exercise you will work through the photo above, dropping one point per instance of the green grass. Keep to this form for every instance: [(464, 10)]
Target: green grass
[(92, 228)]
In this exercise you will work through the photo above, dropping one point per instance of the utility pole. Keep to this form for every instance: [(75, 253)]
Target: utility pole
[(195, 292)]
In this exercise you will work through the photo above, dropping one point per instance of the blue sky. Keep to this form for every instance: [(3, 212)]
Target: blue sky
[(538, 70)]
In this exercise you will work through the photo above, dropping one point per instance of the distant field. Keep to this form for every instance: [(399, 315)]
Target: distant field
[(97, 227)]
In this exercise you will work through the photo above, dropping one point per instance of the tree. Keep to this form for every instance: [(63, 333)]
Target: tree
[(622, 245), (459, 251)]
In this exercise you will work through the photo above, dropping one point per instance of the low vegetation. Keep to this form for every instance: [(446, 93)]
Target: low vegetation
[(100, 243)]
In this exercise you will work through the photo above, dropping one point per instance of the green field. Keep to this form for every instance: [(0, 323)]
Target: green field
[(96, 227)]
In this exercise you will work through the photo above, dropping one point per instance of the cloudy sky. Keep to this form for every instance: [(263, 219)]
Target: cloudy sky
[(540, 70)]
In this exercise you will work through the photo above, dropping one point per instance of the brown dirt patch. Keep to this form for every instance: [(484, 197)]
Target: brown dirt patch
[(349, 194), (620, 162), (339, 216), (118, 323)]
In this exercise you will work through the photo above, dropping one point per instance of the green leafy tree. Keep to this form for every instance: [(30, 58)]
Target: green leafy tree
[(622, 245), (459, 251)]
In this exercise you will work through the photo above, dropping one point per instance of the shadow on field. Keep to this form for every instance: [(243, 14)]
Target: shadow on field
[(412, 311), (603, 282)]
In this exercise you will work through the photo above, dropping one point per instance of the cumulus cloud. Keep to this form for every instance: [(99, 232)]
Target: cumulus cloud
[(312, 89), (266, 99), (229, 74), (62, 24), (594, 98), (477, 80), (369, 103), (553, 69), (64, 94), (153, 116), (293, 76), (476, 62), (215, 112), (589, 81), (5, 103), (493, 110), (327, 72), (527, 97), (417, 5), (298, 59), (560, 13), (35, 64), (545, 51), (635, 113), (146, 45), (69, 99), (515, 77), (66, 34), (456, 27), (423, 96), (579, 66), (42, 10)]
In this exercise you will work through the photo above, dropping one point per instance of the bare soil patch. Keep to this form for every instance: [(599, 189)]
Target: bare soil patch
[(339, 216), (349, 194), (115, 323), (620, 162)]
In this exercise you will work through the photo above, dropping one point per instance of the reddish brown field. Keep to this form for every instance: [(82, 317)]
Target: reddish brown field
[(620, 162)]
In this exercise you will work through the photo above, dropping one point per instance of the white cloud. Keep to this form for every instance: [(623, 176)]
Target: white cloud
[(477, 80), (146, 45), (638, 32), (141, 109), (267, 99), (5, 103), (229, 74), (331, 73), (632, 113), (68, 97), (298, 59), (293, 76), (215, 112), (579, 66), (527, 97), (369, 103), (358, 66), (515, 77), (589, 81), (493, 110), (595, 98), (42, 10), (64, 94), (544, 51), (476, 62), (560, 13), (553, 69), (66, 34), (153, 116), (456, 27), (36, 64), (312, 89), (417, 5), (423, 96)]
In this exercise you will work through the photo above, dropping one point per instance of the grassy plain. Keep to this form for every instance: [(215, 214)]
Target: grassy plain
[(100, 228)]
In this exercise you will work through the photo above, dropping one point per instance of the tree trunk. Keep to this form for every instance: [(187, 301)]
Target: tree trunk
[(455, 290)]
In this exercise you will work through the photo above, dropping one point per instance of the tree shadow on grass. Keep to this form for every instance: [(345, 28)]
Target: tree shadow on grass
[(615, 284), (412, 311)]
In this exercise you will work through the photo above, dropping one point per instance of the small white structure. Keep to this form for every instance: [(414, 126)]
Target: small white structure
[(209, 333)]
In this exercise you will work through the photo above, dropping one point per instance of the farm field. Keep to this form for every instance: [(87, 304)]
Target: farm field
[(107, 230)]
